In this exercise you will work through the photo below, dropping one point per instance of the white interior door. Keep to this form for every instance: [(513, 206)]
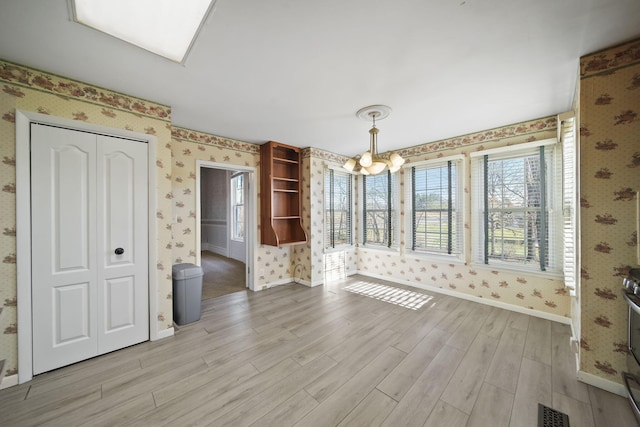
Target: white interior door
[(64, 272), (89, 198), (123, 309)]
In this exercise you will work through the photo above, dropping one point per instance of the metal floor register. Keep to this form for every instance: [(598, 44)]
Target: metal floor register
[(549, 417)]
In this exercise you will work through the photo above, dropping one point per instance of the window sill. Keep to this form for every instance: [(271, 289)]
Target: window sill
[(556, 275), (433, 256), (376, 248), (339, 249)]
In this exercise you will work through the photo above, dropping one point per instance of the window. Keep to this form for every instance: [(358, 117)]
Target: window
[(337, 208), (436, 213), (379, 209), (237, 207), (515, 200), (567, 130)]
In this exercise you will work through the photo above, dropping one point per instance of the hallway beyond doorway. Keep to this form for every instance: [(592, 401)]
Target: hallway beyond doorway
[(222, 275)]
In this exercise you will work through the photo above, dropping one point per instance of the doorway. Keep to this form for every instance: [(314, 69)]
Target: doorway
[(226, 197)]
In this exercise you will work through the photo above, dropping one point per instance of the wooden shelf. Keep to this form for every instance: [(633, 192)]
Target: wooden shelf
[(281, 204), (275, 159)]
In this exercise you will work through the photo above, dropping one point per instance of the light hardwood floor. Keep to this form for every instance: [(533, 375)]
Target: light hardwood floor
[(354, 353)]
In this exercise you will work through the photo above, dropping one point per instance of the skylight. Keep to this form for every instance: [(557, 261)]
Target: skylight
[(164, 27)]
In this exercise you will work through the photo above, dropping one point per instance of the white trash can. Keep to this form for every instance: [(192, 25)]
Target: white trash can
[(187, 293)]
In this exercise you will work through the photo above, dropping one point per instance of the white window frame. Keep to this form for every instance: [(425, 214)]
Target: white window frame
[(554, 201), (233, 204), (395, 223), (326, 245), (458, 188)]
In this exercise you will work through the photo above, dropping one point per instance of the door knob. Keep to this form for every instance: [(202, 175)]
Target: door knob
[(119, 251)]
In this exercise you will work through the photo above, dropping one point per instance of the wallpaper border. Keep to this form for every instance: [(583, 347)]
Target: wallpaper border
[(519, 129), (197, 137), (529, 127), (607, 60), (66, 88)]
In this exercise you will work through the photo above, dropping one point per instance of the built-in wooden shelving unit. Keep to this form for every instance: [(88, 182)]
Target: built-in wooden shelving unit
[(281, 203)]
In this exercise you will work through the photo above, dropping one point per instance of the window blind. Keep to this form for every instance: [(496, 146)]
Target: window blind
[(516, 216), (379, 211), (436, 215), (338, 208), (567, 130)]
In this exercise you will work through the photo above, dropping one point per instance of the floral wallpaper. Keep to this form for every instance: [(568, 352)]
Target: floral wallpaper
[(609, 178), (315, 162), (273, 265), (526, 131), (520, 289), (36, 91), (610, 170), (302, 257), (529, 291)]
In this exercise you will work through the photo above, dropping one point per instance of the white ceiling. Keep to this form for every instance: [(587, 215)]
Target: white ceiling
[(296, 71)]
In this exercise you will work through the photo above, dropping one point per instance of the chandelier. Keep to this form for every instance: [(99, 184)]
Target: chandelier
[(370, 162)]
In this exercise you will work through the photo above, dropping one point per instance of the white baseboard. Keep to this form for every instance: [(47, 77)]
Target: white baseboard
[(608, 385), (9, 381), (266, 286), (220, 250), (499, 304), (298, 281), (303, 282), (307, 283), (321, 282), (165, 333)]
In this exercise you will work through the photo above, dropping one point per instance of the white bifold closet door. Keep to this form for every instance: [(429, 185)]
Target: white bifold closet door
[(89, 213)]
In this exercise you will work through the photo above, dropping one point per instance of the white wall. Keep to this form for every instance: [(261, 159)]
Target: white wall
[(214, 202)]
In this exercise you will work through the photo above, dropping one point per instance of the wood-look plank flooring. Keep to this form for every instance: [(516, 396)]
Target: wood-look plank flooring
[(328, 356)]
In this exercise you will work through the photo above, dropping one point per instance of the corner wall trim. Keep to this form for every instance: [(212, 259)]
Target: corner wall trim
[(605, 384), (276, 283), (165, 333), (9, 381)]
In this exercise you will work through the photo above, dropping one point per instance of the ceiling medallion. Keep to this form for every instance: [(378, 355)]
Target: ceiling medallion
[(370, 162)]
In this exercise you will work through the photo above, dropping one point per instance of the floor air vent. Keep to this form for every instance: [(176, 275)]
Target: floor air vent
[(548, 417)]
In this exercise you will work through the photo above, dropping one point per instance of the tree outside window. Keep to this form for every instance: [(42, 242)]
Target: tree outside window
[(379, 209), (518, 223), (338, 211), (436, 219)]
